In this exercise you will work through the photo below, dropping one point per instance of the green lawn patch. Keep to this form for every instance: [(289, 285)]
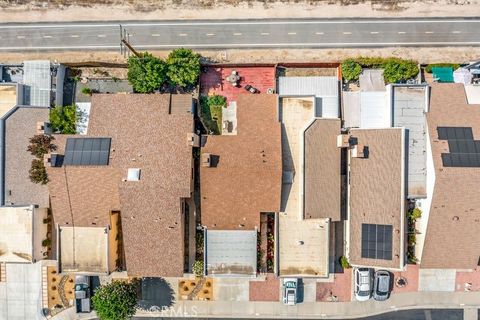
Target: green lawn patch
[(211, 112)]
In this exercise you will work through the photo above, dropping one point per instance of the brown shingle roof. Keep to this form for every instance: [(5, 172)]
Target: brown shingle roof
[(322, 170), (453, 232), (377, 192), (248, 177), (144, 135), (83, 196), (20, 126)]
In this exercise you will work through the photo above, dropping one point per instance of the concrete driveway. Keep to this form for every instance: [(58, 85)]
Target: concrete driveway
[(21, 294)]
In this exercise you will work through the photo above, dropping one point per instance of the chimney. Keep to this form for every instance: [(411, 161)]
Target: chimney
[(193, 139), (343, 141), (206, 160), (358, 151)]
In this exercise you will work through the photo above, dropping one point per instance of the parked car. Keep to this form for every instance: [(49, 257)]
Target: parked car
[(381, 285), (363, 284), (290, 286), (82, 293)]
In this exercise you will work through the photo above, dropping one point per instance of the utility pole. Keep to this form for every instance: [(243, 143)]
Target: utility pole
[(125, 42)]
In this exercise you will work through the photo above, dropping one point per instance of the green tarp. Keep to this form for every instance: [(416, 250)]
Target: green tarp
[(442, 74)]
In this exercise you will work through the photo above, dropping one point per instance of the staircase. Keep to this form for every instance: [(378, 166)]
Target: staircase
[(3, 272)]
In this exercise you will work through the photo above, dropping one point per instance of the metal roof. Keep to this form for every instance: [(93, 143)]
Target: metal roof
[(409, 107), (37, 82), (231, 252), (325, 89)]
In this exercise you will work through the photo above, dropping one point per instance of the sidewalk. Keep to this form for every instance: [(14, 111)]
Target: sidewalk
[(324, 310)]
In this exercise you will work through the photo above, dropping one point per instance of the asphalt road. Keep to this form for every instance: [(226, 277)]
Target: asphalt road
[(313, 33), (419, 314)]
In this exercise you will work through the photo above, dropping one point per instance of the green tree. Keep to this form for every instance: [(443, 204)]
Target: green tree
[(146, 73), (116, 300), (183, 67), (40, 145), (351, 69), (64, 119), (38, 172)]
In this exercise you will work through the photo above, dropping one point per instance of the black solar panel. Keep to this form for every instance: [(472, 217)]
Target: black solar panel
[(464, 151), (87, 151), (377, 241)]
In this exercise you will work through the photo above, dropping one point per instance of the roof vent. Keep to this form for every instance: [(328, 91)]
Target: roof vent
[(206, 160), (133, 174)]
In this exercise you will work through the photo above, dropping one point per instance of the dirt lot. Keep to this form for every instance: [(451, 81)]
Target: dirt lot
[(423, 55), (67, 10)]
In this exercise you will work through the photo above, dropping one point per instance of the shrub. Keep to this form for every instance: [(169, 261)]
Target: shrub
[(415, 214), (87, 91), (395, 70), (344, 262), (217, 100), (429, 67), (146, 73), (183, 67), (412, 239), (40, 145), (116, 300), (46, 242), (351, 69), (64, 119), (38, 173), (198, 268)]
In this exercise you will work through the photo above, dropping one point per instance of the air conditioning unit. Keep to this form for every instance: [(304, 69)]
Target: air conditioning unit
[(358, 151), (193, 139), (343, 141)]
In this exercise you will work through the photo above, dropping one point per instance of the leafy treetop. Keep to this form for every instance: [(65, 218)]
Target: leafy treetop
[(146, 73), (183, 67), (64, 119), (116, 300)]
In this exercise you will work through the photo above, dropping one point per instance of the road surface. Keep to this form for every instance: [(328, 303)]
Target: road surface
[(416, 314), (223, 34)]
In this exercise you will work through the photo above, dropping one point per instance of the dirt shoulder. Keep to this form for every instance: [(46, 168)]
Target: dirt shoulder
[(423, 55), (83, 10)]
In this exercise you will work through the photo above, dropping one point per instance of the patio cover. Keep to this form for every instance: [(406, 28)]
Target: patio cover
[(231, 252), (442, 74)]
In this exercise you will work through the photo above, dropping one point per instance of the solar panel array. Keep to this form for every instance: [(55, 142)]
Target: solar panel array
[(377, 241), (464, 150), (87, 151)]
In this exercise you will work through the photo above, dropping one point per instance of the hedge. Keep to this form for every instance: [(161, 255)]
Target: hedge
[(429, 67), (395, 69)]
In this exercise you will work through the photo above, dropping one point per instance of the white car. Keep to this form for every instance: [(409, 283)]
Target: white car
[(363, 284), (290, 291)]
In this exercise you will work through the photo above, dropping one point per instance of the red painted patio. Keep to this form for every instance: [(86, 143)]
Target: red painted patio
[(411, 275), (213, 80), (268, 290), (468, 281), (341, 288)]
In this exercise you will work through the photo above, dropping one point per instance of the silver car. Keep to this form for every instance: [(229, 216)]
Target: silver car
[(363, 284), (381, 285)]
